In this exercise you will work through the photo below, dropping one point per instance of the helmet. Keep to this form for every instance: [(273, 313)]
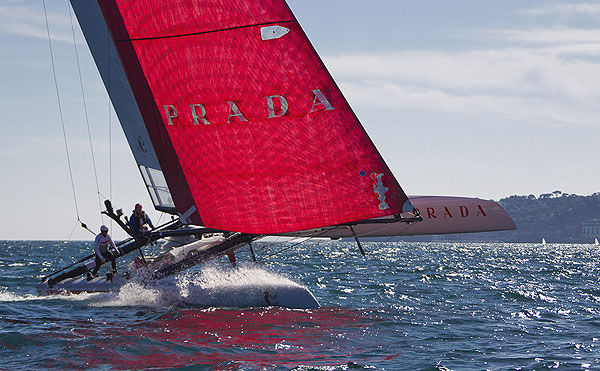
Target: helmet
[(104, 228)]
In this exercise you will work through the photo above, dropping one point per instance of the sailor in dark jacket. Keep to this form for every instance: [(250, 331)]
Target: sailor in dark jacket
[(138, 219)]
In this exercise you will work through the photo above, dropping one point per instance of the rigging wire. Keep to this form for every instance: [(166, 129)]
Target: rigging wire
[(108, 90), (294, 245), (104, 197), (73, 230), (62, 121), (317, 235), (84, 226), (86, 115), (110, 191)]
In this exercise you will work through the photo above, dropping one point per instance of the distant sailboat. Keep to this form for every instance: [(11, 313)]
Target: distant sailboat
[(596, 242), (544, 242)]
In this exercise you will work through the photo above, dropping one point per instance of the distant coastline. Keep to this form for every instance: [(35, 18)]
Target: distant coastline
[(558, 217)]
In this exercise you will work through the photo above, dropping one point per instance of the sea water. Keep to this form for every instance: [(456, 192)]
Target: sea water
[(405, 306)]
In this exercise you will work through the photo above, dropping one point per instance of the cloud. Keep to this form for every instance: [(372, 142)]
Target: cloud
[(531, 74), (548, 36), (21, 20), (563, 10)]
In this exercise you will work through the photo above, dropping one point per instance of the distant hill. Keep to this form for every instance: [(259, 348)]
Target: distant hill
[(556, 216)]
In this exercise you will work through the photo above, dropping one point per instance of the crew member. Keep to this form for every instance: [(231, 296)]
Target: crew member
[(139, 219), (102, 244)]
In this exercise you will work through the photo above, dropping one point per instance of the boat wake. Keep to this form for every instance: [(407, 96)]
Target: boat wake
[(246, 286), (7, 296)]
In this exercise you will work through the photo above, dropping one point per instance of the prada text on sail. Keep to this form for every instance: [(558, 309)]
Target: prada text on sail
[(276, 106)]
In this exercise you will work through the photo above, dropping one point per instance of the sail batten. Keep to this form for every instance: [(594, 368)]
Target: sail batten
[(149, 19), (207, 32), (246, 122)]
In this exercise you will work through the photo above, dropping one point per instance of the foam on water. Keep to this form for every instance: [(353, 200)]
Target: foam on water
[(6, 296), (245, 286), (133, 294)]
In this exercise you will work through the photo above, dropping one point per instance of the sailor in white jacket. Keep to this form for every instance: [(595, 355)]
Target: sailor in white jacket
[(102, 244)]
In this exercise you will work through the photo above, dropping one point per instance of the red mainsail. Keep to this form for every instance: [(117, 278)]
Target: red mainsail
[(246, 122)]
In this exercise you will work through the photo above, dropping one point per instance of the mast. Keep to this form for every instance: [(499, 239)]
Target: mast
[(115, 81)]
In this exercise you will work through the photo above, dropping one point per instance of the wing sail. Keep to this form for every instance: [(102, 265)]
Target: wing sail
[(247, 124)]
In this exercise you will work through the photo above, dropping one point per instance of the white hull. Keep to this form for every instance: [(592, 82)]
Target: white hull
[(441, 215), (236, 295), (80, 285)]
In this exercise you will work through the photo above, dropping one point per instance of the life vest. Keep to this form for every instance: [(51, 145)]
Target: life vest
[(138, 220)]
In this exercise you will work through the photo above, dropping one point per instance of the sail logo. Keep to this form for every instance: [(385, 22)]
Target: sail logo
[(462, 211), (380, 190), (276, 106), (273, 32)]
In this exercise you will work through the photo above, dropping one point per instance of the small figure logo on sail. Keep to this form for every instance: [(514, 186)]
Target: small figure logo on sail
[(380, 190)]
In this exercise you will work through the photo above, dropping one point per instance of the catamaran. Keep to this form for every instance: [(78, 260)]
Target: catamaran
[(240, 132)]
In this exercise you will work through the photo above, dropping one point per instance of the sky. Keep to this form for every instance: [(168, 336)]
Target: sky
[(470, 98)]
